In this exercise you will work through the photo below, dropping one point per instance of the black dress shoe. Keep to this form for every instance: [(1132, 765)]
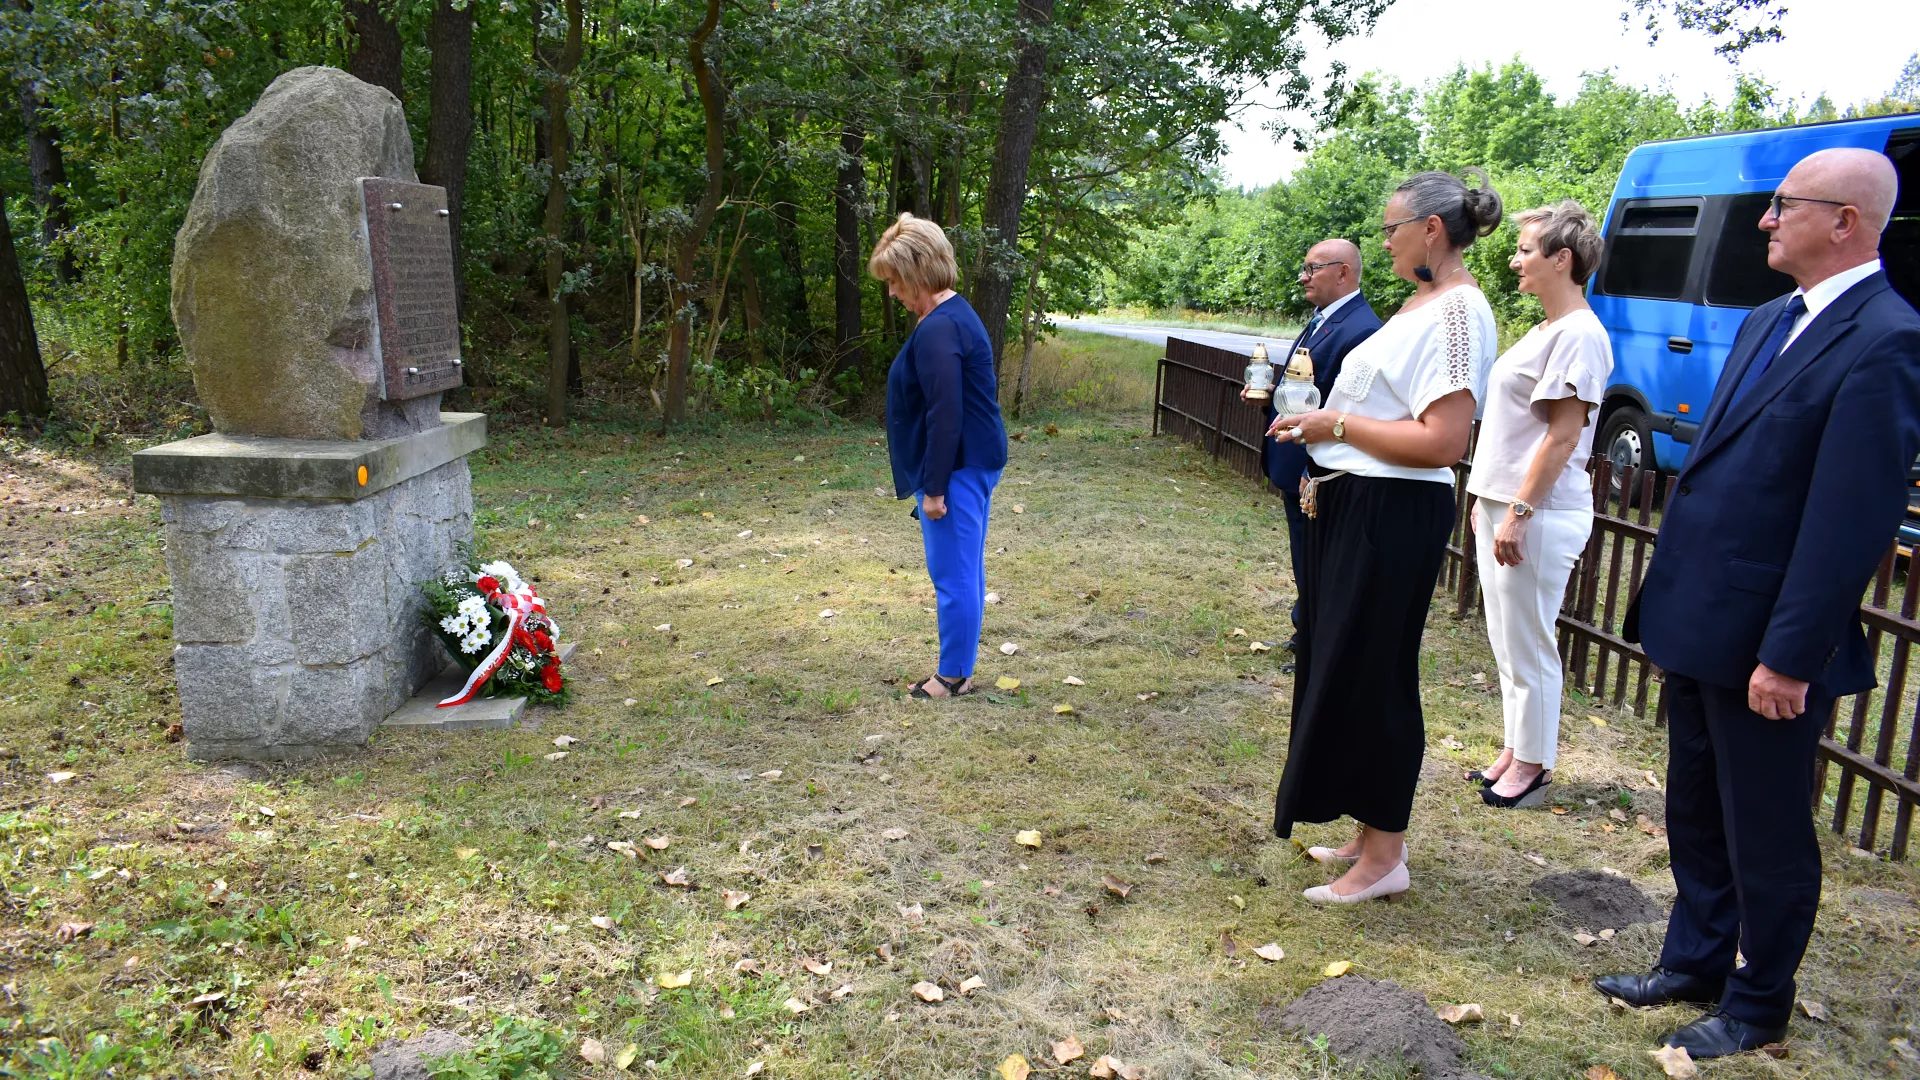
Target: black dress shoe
[(1661, 987), (1292, 644), (1717, 1035)]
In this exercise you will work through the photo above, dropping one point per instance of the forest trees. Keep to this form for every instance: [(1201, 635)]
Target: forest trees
[(704, 178)]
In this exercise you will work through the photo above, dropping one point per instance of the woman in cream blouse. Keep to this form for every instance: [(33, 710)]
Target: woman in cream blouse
[(1381, 506)]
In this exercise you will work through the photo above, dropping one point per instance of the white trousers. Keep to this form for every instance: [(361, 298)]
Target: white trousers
[(1522, 604)]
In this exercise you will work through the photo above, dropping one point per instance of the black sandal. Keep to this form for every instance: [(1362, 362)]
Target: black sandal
[(1477, 777), (953, 687), (1535, 794)]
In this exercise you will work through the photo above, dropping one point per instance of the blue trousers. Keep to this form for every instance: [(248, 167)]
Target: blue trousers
[(957, 562)]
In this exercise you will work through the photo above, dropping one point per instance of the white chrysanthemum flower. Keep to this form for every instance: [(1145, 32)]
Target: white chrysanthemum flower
[(474, 608), (504, 573), (475, 641), (454, 624)]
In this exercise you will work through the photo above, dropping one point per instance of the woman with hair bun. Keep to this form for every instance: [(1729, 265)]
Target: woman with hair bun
[(1534, 507), (1380, 506)]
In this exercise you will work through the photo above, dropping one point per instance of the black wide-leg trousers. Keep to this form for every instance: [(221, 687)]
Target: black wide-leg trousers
[(1741, 834)]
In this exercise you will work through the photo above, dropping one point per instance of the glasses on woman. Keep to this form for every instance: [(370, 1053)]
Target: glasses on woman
[(1386, 231)]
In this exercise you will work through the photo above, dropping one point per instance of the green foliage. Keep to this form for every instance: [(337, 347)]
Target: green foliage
[(515, 1049), (1240, 251)]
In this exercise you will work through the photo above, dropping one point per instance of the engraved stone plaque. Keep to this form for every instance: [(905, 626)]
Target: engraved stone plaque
[(417, 329)]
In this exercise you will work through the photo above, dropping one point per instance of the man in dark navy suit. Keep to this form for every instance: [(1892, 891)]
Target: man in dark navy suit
[(1790, 494), (1341, 319)]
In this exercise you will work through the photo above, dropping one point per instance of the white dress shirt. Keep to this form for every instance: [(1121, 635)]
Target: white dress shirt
[(1826, 293)]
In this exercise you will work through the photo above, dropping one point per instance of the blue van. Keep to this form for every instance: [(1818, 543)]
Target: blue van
[(1686, 260)]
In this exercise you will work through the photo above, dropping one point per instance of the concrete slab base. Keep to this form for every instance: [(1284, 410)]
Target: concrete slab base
[(422, 711)]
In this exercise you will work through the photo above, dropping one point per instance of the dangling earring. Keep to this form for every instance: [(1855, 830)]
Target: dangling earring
[(1424, 271)]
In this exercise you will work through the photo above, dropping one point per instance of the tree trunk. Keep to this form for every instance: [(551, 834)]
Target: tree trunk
[(849, 190), (786, 236), (23, 378), (450, 122), (680, 341), (376, 48), (1028, 322), (559, 339), (49, 170), (1007, 182)]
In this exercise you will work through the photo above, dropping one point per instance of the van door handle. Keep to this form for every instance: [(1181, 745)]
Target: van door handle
[(1680, 344)]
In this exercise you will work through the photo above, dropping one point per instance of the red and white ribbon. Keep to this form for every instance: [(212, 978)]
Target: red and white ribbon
[(518, 604)]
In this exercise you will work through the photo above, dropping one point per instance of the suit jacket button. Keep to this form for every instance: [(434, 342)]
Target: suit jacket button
[(1685, 489)]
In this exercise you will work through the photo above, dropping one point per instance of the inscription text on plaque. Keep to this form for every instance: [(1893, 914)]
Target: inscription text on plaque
[(418, 328)]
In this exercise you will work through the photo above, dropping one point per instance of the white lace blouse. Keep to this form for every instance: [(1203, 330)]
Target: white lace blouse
[(1414, 360)]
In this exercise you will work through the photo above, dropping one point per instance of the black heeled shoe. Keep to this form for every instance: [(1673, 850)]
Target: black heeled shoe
[(1476, 776), (1535, 794)]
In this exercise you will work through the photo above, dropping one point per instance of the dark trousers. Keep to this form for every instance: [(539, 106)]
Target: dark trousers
[(1296, 542), (1744, 856)]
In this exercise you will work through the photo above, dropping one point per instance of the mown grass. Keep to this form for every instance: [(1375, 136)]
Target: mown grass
[(450, 880)]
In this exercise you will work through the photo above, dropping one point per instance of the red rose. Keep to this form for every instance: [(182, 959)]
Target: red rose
[(488, 586), (550, 677)]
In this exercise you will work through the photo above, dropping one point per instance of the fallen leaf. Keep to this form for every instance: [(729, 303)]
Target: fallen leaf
[(1259, 646), (1597, 721), (60, 777), (601, 922), (683, 563), (1607, 934), (1228, 946), (1585, 938), (564, 741), (828, 613), (624, 847), (1238, 901), (674, 980), (1900, 1046), (796, 1006), (1602, 1072), (1117, 1016), (743, 534), (756, 1068), (1652, 780), (624, 1059), (217, 893), (630, 814), (1074, 680), (1107, 1067), (715, 681), (210, 998), (556, 755), (1062, 709), (688, 801), (1116, 886), (724, 1011), (1236, 632), (1813, 1010), (1068, 1050), (894, 834), (593, 1052), (1015, 1068), (1337, 969), (1460, 1014), (747, 965), (665, 626), (677, 877), (73, 931), (772, 774), (1019, 509), (1533, 858), (1027, 838), (657, 843), (818, 967), (1271, 952), (1647, 826), (1148, 696), (1156, 857), (1560, 811), (1677, 1063), (1009, 648), (928, 992), (465, 853), (913, 913), (734, 900), (842, 992), (1007, 682), (264, 811)]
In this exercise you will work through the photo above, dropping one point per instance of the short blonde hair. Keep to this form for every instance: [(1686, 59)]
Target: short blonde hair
[(1567, 227), (914, 252)]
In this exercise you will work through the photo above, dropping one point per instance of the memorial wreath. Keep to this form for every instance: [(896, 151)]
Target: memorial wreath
[(498, 629)]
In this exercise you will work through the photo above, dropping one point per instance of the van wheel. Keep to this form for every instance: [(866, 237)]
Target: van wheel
[(1627, 441)]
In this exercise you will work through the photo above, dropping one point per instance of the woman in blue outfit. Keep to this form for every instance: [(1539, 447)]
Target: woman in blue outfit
[(944, 436)]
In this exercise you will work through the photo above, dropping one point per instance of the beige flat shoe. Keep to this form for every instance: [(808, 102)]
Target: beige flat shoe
[(1389, 887), (1332, 856)]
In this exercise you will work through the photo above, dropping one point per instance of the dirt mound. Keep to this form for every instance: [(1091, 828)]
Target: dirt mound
[(1364, 1020), (1592, 900)]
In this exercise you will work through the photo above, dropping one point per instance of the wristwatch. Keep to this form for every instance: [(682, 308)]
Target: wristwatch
[(1522, 508), (1340, 428)]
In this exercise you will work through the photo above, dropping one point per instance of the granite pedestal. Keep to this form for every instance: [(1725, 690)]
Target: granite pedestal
[(296, 564)]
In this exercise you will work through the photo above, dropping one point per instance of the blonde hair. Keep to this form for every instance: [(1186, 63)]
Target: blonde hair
[(1567, 227), (914, 252)]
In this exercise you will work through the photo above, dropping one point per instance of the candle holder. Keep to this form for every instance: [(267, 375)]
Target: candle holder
[(1259, 374)]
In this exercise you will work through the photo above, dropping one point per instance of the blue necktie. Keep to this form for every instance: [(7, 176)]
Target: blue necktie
[(1312, 325), (1796, 307)]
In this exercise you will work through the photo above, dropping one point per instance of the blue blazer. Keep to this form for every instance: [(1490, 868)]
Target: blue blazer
[(1333, 339), (1787, 501), (943, 402)]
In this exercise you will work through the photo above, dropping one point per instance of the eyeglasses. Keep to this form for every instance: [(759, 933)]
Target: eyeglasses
[(1777, 205), (1310, 269), (1386, 231)]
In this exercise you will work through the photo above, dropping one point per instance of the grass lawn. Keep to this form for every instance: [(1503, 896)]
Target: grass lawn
[(452, 881)]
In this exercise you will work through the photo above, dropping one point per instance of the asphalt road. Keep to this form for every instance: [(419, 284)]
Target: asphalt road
[(1157, 335)]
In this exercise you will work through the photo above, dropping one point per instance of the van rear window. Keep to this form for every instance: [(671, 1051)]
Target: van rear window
[(1740, 276), (1648, 253)]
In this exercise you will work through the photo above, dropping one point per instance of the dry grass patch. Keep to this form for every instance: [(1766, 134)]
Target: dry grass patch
[(453, 880)]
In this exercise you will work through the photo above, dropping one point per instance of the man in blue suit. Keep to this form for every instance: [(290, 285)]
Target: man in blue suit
[(1790, 494), (1341, 319)]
